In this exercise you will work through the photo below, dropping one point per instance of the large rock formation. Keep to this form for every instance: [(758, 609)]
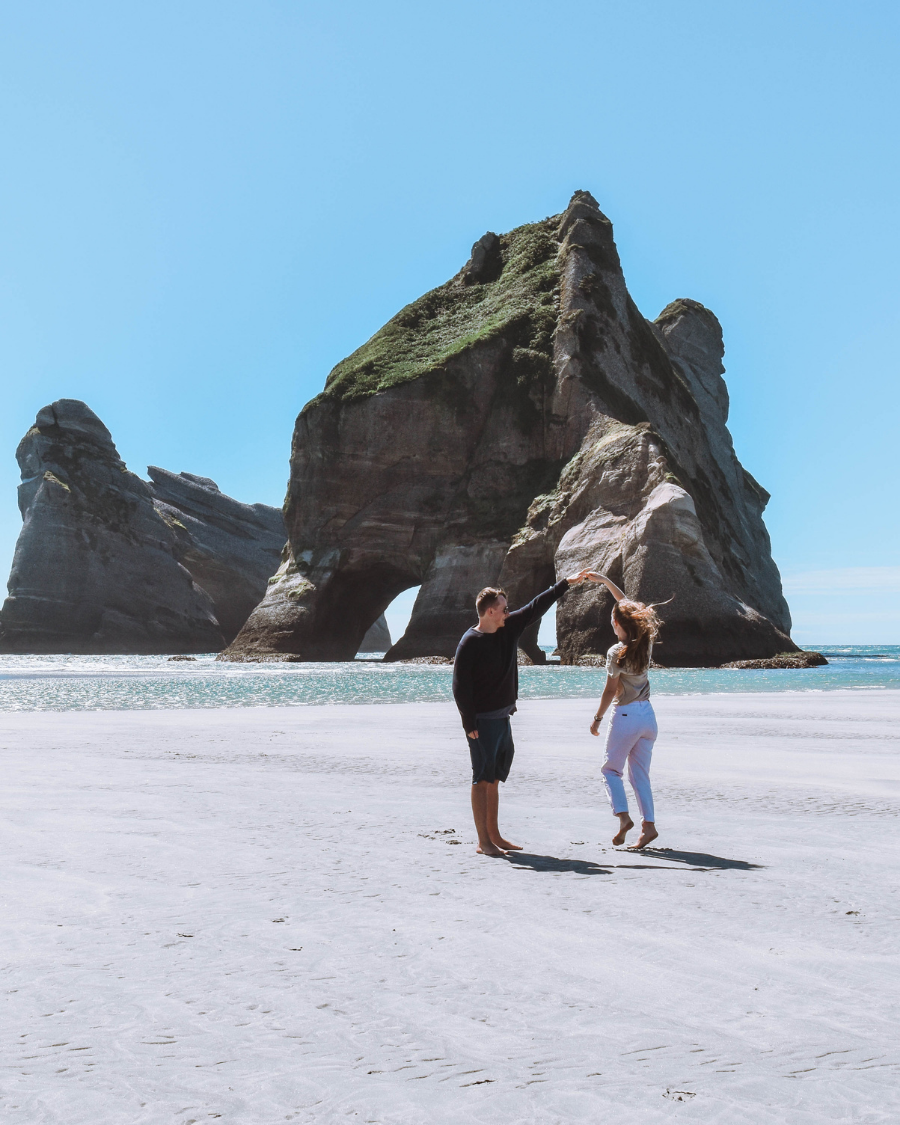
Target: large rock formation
[(231, 549), (519, 422), (108, 563), (94, 569)]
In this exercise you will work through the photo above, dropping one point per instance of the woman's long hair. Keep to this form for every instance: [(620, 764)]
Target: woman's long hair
[(641, 626)]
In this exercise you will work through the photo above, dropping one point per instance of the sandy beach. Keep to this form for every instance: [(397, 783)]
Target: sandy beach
[(276, 915)]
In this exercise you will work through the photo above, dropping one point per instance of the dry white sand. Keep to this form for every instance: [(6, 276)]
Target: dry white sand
[(263, 915)]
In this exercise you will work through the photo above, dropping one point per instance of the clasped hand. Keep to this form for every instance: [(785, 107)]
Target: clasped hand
[(586, 575)]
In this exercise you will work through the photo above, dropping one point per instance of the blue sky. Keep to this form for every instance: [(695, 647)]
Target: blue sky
[(205, 206)]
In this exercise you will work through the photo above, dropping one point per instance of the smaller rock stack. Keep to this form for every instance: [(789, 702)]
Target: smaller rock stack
[(95, 567)]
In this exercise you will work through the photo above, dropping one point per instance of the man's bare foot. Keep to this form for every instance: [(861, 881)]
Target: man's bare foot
[(489, 849), (625, 826), (507, 846), (648, 833)]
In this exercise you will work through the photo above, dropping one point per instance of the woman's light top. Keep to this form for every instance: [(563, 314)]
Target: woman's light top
[(635, 685)]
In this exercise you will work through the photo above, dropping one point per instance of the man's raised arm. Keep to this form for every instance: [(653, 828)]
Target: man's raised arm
[(520, 619)]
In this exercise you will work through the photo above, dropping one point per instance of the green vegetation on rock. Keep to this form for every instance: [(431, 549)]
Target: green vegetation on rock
[(171, 520), (53, 479), (445, 322)]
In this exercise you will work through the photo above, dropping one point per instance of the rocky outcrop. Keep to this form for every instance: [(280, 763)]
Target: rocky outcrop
[(598, 660), (782, 660), (94, 569), (231, 549), (620, 509), (519, 422)]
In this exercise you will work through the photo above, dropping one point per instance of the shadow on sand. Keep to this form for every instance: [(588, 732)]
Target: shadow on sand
[(551, 863), (698, 859)]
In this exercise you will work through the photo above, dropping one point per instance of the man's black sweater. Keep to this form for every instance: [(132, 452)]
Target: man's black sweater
[(485, 670)]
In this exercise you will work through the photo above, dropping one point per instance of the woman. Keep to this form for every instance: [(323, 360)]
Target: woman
[(632, 725)]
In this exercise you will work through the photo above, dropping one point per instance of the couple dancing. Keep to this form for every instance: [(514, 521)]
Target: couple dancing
[(485, 687)]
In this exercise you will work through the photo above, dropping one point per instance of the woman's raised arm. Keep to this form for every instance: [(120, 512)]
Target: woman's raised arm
[(618, 594)]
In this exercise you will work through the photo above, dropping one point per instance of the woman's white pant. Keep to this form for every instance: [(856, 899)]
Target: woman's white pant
[(630, 736)]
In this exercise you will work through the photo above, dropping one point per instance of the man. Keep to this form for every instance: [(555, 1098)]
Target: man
[(485, 687)]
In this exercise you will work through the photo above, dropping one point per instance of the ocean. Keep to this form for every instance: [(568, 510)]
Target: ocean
[(114, 683)]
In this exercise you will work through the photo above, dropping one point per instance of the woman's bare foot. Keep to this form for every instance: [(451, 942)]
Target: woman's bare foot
[(625, 826), (506, 845), (648, 833), (489, 849)]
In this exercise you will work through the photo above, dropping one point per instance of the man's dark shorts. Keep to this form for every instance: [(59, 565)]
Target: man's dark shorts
[(492, 751)]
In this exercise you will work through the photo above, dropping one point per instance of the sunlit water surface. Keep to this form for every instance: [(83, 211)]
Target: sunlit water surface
[(112, 683)]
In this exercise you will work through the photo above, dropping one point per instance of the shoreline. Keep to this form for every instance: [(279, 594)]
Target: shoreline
[(877, 692)]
